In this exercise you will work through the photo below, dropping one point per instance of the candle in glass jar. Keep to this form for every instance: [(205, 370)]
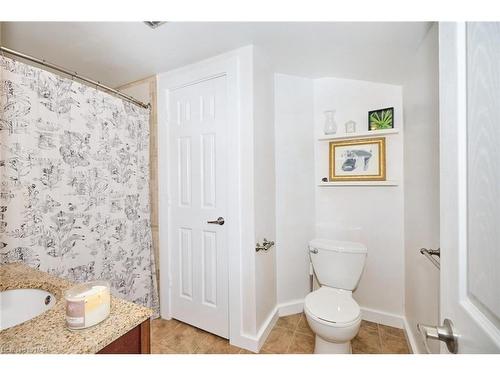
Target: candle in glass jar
[(87, 304)]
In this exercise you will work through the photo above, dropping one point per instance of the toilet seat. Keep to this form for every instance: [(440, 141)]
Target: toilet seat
[(333, 307)]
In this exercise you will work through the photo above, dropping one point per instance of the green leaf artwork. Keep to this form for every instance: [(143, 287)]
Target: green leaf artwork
[(381, 119)]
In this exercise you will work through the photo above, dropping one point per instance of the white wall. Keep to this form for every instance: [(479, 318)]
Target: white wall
[(252, 289), (237, 65), (264, 186), (421, 101), (294, 142), (139, 90), (372, 215), (247, 295), (369, 214)]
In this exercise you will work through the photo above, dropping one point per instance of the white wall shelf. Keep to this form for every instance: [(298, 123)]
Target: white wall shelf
[(359, 183), (374, 133)]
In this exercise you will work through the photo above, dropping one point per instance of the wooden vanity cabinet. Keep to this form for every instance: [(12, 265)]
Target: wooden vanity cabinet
[(135, 341)]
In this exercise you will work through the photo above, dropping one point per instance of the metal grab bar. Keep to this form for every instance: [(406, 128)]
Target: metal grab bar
[(431, 254)]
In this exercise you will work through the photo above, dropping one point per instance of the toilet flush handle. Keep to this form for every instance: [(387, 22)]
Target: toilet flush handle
[(313, 251)]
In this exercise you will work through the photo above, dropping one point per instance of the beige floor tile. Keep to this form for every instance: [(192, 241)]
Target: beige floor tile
[(216, 345), (365, 324), (289, 322), (278, 340), (394, 345), (366, 342), (185, 338), (159, 347), (244, 351), (290, 335), (162, 328), (390, 331), (303, 326), (301, 344)]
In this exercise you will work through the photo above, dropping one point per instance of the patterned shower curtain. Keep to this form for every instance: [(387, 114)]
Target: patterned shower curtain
[(74, 182)]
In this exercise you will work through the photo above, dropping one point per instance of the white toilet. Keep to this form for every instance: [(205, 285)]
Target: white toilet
[(331, 312)]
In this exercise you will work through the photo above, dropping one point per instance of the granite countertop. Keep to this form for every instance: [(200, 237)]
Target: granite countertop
[(47, 333)]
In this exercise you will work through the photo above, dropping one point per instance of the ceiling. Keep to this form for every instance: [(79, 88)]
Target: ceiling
[(116, 53)]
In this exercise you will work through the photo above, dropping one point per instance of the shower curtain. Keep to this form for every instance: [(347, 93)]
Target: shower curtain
[(74, 182)]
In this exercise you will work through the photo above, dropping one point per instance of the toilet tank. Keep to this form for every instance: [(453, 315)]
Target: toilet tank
[(337, 264)]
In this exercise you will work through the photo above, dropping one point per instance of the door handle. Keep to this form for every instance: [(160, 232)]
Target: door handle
[(220, 221), (442, 333)]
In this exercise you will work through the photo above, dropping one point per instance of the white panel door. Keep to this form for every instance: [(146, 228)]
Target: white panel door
[(198, 180), (470, 183)]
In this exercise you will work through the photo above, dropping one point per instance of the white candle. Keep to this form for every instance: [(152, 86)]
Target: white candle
[(87, 304)]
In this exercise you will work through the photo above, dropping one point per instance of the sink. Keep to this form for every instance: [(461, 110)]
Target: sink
[(19, 305)]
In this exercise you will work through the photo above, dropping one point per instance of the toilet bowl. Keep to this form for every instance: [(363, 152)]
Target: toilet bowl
[(335, 317), (331, 311)]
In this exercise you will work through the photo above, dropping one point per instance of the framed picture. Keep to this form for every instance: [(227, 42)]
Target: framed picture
[(357, 160), (381, 119)]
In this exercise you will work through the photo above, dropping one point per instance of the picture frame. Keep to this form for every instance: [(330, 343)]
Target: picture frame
[(357, 160), (381, 119)]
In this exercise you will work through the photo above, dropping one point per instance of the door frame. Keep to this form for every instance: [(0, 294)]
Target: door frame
[(237, 68)]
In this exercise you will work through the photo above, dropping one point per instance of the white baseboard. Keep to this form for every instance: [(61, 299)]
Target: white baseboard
[(411, 338), (290, 308), (245, 342), (266, 327), (254, 343), (382, 317), (376, 316)]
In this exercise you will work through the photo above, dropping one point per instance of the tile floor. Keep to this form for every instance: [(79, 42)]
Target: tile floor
[(291, 335)]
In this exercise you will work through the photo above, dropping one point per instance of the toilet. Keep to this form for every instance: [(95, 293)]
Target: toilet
[(331, 311)]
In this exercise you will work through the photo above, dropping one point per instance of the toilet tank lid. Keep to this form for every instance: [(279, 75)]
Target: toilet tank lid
[(339, 246)]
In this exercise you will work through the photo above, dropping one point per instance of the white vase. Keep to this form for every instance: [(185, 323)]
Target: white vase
[(330, 124), (350, 127)]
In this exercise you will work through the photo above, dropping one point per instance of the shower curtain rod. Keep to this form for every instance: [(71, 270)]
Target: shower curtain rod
[(74, 75)]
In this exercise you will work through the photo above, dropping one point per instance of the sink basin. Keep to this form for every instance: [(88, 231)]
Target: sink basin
[(20, 305)]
